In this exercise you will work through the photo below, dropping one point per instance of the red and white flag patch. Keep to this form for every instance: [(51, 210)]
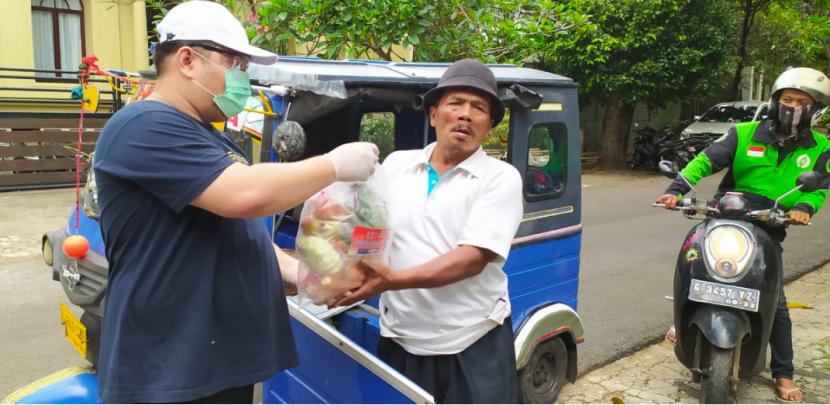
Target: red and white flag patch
[(755, 151)]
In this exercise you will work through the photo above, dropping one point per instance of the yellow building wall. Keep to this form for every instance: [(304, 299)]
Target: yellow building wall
[(115, 33)]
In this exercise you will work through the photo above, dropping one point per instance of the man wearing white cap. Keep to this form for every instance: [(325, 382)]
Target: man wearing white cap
[(195, 308)]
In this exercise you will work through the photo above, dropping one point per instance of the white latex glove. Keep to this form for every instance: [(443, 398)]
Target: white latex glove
[(354, 161)]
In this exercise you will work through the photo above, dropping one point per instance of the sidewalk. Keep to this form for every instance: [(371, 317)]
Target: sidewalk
[(654, 375)]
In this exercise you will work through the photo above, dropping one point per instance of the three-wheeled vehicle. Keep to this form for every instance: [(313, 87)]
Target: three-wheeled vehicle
[(342, 101)]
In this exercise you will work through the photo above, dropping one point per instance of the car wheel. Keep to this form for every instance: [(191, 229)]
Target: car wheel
[(543, 376)]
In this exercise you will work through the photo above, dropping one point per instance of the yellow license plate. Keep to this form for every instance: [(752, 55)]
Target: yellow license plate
[(75, 330)]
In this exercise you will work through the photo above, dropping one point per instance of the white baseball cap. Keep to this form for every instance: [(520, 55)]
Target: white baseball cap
[(208, 21)]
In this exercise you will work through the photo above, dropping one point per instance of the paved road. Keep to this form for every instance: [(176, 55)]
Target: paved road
[(32, 343), (629, 250)]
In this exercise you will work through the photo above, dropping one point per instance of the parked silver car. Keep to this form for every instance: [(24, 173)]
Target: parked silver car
[(718, 119)]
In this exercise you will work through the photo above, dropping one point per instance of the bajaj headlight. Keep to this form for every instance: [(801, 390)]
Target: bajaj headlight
[(728, 251)]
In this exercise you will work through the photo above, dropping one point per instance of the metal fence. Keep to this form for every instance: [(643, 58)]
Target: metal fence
[(38, 149), (49, 92)]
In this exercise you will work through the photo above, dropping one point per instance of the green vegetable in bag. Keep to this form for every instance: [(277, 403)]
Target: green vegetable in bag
[(317, 253)]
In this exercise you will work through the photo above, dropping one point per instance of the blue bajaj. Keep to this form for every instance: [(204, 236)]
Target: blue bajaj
[(304, 107)]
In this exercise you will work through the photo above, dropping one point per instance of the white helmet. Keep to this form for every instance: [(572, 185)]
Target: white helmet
[(808, 80)]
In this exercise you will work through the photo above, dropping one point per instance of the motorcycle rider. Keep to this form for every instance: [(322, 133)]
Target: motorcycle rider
[(764, 160)]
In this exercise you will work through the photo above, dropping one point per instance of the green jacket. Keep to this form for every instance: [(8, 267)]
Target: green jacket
[(759, 167)]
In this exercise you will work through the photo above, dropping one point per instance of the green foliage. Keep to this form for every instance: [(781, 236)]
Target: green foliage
[(522, 31), (498, 137), (654, 51), (771, 45), (822, 121), (791, 33), (379, 128), (353, 28), (494, 31), (159, 8)]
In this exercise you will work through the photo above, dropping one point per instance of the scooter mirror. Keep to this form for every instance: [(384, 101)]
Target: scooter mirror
[(809, 181), (289, 140), (668, 168)]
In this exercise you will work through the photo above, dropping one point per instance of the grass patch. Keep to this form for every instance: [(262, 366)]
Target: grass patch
[(824, 347)]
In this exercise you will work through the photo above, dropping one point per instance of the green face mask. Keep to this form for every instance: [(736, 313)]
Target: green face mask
[(237, 90)]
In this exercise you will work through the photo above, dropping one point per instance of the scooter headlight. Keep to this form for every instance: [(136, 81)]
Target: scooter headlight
[(728, 251)]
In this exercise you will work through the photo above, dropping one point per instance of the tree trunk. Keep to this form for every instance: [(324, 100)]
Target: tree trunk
[(750, 9), (616, 122), (749, 14)]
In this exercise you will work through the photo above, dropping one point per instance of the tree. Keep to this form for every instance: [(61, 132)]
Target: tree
[(352, 29), (776, 42), (443, 31), (521, 31), (749, 9), (813, 36), (652, 51), (791, 33)]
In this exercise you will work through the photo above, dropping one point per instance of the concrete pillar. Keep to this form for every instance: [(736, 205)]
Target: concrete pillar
[(747, 82), (760, 92)]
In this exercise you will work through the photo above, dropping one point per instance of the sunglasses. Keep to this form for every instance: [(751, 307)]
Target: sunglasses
[(239, 61)]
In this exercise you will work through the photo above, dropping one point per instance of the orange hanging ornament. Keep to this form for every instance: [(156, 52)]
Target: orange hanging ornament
[(76, 246)]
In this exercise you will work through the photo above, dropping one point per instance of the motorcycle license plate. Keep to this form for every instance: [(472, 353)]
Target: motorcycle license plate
[(725, 295), (75, 330)]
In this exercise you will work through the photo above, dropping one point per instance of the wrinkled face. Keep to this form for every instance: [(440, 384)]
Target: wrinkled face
[(461, 119), (795, 98)]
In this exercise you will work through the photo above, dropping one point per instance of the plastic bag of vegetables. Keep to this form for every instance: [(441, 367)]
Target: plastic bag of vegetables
[(343, 223)]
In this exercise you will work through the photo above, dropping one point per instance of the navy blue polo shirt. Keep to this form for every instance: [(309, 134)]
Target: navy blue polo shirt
[(194, 303)]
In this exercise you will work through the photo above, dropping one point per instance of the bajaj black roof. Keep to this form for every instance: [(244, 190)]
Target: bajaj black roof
[(417, 73)]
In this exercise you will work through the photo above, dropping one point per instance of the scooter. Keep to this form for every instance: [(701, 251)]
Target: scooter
[(652, 145), (726, 286)]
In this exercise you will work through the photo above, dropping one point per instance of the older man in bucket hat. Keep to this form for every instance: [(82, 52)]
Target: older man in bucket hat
[(445, 313), (195, 307)]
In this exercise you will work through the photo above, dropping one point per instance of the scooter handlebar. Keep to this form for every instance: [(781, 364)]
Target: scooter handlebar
[(688, 205), (776, 217), (678, 207)]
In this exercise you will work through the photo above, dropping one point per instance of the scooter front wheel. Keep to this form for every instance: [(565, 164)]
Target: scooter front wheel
[(715, 381)]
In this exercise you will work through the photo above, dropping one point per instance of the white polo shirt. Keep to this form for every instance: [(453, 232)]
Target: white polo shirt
[(478, 203)]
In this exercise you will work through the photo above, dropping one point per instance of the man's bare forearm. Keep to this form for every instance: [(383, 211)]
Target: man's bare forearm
[(288, 265), (456, 265), (253, 191)]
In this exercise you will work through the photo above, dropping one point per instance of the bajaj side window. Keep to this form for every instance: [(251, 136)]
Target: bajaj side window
[(379, 128), (545, 176), (495, 145)]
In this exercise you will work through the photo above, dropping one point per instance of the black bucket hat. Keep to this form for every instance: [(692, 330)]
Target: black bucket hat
[(468, 74)]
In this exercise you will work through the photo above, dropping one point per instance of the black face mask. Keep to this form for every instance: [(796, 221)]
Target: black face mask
[(791, 121)]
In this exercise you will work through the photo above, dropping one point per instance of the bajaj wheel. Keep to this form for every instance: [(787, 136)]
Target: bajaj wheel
[(542, 378), (714, 384)]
